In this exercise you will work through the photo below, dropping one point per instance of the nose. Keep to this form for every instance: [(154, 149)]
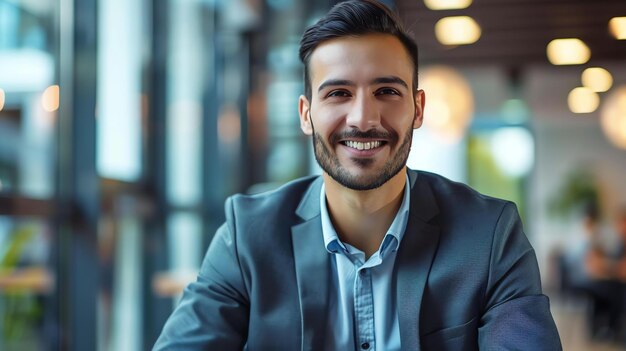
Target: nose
[(363, 114)]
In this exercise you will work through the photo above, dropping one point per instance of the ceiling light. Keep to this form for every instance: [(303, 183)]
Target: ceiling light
[(569, 51), (457, 30), (597, 79), (50, 98), (447, 4), (583, 100), (617, 26), (613, 117)]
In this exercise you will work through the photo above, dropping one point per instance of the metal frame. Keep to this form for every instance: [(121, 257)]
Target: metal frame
[(78, 187)]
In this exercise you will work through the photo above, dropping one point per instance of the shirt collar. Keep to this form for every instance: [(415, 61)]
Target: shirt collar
[(392, 239)]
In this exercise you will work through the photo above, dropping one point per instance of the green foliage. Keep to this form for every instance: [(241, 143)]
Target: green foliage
[(577, 193), (20, 239), (485, 176), (19, 310)]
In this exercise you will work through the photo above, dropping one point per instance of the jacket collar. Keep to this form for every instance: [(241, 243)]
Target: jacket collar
[(309, 206)]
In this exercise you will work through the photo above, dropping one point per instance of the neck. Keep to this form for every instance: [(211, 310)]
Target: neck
[(361, 218)]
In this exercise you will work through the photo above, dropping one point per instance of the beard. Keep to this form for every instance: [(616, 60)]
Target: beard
[(329, 162)]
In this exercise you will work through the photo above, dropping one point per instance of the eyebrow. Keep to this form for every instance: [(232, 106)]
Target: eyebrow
[(335, 82), (390, 80), (378, 80)]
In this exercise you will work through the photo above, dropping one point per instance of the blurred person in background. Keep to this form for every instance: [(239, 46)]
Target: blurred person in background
[(590, 272), (619, 269), (370, 255), (620, 254)]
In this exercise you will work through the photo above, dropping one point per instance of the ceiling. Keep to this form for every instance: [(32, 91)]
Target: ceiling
[(515, 33)]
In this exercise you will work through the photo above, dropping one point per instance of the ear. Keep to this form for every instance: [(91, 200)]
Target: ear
[(420, 101), (304, 109)]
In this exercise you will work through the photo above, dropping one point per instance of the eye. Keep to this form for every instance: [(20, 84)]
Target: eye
[(387, 91), (338, 93)]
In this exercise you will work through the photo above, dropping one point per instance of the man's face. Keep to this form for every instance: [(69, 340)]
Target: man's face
[(362, 110)]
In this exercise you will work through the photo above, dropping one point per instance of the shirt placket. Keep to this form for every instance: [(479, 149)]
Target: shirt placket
[(364, 308)]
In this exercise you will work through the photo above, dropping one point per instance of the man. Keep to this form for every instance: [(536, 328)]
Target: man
[(369, 256)]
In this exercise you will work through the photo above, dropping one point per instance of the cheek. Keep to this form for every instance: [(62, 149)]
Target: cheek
[(327, 121), (399, 116)]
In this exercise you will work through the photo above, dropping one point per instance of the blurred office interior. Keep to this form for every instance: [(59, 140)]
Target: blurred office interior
[(124, 125)]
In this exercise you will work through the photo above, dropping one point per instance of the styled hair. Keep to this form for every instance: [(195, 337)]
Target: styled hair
[(354, 18)]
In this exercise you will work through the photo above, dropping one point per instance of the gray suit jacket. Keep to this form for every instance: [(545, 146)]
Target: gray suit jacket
[(466, 277)]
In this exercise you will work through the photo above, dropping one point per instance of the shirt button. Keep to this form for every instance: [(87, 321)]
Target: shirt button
[(365, 345)]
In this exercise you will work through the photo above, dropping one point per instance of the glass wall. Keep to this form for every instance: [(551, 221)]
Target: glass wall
[(28, 98), (29, 101)]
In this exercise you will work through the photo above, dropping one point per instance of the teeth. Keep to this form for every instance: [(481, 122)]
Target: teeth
[(363, 146)]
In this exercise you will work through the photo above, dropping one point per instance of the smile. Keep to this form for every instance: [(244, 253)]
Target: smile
[(363, 145)]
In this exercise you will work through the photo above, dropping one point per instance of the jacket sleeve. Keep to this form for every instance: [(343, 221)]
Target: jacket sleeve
[(517, 314), (213, 312)]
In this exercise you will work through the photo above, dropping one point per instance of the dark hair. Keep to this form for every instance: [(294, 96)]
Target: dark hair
[(354, 18)]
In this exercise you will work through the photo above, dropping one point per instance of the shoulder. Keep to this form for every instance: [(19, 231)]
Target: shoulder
[(261, 223), (280, 203), (445, 189), (461, 207)]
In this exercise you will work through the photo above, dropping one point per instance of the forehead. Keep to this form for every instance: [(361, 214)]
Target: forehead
[(360, 58)]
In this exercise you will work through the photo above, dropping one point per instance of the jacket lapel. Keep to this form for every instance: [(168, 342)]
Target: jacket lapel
[(312, 269), (414, 260)]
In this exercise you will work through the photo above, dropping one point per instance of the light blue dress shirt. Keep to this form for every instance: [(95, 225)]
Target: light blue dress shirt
[(363, 311)]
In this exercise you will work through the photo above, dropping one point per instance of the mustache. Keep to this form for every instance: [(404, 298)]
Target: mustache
[(370, 134)]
